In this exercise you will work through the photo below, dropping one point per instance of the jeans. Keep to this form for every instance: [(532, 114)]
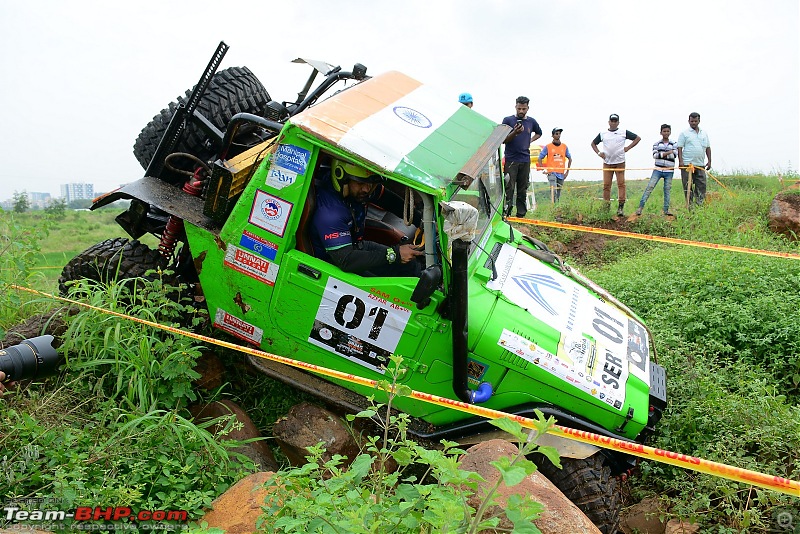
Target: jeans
[(698, 192), (656, 176), (518, 174), (556, 182)]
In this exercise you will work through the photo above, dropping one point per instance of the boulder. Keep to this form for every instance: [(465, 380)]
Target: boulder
[(236, 511), (560, 515), (305, 426), (52, 323), (784, 215), (677, 526), (643, 518), (258, 451), (211, 371)]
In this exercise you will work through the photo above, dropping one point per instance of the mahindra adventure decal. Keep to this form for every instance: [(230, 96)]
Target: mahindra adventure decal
[(270, 213), (359, 326), (572, 310)]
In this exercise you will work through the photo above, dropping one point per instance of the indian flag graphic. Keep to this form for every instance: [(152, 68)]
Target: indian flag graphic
[(402, 126)]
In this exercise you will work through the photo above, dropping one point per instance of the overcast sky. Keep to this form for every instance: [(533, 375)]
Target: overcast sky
[(80, 78)]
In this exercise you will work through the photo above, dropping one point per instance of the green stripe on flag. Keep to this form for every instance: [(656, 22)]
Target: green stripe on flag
[(437, 160)]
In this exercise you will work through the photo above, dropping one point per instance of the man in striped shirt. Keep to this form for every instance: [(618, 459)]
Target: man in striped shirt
[(664, 153)]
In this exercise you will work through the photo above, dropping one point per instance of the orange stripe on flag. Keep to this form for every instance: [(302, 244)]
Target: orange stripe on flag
[(334, 117)]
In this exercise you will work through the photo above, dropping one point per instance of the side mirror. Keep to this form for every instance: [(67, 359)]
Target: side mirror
[(429, 280)]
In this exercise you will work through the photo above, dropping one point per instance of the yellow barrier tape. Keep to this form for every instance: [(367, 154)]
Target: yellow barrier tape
[(648, 237), (737, 474)]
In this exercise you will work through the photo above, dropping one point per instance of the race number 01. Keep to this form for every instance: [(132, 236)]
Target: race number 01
[(605, 328), (379, 313)]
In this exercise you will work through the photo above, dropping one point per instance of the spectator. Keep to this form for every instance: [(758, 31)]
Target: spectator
[(466, 99), (664, 153), (518, 155), (693, 148), (556, 152), (613, 155)]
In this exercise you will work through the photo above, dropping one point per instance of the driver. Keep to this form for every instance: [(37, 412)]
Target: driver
[(339, 222)]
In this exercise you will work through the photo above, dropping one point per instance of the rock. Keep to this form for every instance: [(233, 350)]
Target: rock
[(52, 323), (306, 425), (677, 526), (236, 511), (211, 370), (258, 451), (558, 247), (784, 215), (560, 515), (643, 518)]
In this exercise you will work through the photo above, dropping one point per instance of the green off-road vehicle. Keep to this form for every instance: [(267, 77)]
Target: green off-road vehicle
[(495, 318)]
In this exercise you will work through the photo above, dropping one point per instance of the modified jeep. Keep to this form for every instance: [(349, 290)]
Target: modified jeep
[(494, 319)]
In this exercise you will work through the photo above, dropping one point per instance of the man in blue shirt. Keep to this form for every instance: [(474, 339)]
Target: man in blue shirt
[(518, 155), (693, 149), (339, 224)]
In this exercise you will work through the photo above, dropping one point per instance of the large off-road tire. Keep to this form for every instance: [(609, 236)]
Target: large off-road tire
[(589, 485), (112, 259), (231, 91)]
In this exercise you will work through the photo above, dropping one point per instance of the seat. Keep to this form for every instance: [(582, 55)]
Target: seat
[(304, 228)]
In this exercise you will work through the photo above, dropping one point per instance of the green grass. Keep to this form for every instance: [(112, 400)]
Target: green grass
[(68, 236)]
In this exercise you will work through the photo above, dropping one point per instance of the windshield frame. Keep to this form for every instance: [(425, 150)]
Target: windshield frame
[(484, 192)]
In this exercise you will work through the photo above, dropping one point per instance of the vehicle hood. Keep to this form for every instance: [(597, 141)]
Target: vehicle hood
[(565, 329)]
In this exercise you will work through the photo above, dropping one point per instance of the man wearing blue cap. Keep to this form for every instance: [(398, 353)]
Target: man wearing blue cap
[(466, 99)]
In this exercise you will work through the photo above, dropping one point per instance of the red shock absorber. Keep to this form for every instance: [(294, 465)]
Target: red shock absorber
[(174, 228)]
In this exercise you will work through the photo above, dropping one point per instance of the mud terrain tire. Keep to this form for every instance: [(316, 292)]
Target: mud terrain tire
[(589, 485), (112, 259), (231, 91)]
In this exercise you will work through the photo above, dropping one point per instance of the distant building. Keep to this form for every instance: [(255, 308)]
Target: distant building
[(72, 192), (39, 201)]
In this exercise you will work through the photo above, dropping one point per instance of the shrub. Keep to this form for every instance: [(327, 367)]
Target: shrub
[(368, 497)]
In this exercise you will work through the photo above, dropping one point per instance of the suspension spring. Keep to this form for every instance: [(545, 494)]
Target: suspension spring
[(174, 228)]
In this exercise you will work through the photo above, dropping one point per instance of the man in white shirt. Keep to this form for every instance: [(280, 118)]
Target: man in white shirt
[(613, 155)]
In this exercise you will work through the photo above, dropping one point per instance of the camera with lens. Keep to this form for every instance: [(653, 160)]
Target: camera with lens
[(29, 359)]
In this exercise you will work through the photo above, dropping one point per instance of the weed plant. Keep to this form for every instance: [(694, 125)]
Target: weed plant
[(427, 492), (20, 249), (113, 428)]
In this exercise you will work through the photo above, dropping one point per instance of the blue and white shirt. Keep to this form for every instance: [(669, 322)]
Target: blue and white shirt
[(665, 153)]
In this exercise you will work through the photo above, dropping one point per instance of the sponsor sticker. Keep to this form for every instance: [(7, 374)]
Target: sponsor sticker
[(270, 213), (602, 376), (237, 327), (292, 158), (278, 177), (251, 265), (357, 325), (261, 246), (475, 371)]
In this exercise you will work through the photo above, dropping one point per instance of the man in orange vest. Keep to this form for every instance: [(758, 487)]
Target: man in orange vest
[(558, 157)]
